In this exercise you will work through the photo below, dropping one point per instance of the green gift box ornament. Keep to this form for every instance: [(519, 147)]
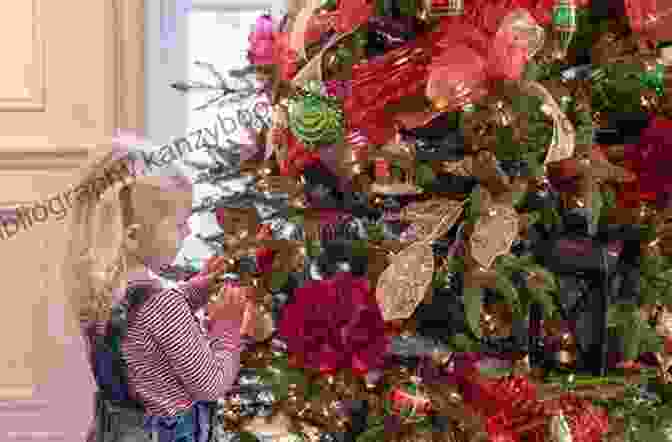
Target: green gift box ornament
[(564, 26)]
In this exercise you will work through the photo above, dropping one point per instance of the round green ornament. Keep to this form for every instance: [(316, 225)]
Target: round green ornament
[(315, 120)]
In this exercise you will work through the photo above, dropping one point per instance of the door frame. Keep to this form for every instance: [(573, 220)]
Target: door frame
[(130, 57)]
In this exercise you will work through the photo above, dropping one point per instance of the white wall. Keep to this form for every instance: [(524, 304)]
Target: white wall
[(213, 31)]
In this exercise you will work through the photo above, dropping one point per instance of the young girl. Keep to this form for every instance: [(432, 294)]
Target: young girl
[(123, 232)]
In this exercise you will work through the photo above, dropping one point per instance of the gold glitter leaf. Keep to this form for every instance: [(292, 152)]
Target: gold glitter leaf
[(402, 286), (494, 234)]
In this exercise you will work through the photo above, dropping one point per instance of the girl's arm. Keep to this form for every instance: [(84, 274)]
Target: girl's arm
[(197, 289), (207, 366)]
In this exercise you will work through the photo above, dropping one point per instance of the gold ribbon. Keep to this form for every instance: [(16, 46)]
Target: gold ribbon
[(564, 136), (297, 39), (525, 29)]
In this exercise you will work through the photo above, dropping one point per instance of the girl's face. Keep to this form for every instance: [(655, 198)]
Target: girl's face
[(164, 239)]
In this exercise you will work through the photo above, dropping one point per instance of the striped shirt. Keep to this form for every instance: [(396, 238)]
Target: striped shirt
[(172, 362)]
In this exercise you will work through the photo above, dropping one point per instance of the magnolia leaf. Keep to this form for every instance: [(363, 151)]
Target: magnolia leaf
[(474, 207), (462, 343), (544, 298), (506, 289), (472, 309), (279, 280), (532, 71), (424, 174), (631, 341), (598, 203), (246, 436)]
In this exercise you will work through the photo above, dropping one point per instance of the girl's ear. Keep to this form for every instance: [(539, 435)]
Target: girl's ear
[(132, 238)]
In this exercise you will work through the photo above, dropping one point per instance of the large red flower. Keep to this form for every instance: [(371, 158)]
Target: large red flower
[(334, 324), (650, 160)]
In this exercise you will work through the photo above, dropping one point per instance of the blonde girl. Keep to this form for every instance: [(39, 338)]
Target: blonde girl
[(122, 232)]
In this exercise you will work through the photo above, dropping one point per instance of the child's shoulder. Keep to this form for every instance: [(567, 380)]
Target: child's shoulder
[(164, 301)]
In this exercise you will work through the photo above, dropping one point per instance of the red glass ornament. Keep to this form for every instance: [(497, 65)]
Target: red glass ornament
[(382, 168), (408, 398)]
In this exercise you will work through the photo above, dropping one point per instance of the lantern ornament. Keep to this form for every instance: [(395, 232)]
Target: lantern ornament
[(564, 24), (440, 8)]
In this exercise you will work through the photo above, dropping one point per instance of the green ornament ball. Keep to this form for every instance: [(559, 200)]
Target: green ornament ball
[(315, 120)]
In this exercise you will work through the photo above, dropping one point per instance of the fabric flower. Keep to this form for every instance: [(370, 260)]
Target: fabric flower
[(261, 41), (650, 18), (285, 57), (298, 157), (335, 323), (649, 160), (352, 14)]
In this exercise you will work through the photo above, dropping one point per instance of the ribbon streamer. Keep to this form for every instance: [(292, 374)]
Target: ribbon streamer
[(564, 136)]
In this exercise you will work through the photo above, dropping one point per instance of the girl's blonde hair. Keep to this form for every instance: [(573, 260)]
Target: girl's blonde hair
[(104, 204)]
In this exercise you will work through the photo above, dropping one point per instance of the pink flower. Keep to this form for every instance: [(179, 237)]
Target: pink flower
[(262, 41), (334, 324)]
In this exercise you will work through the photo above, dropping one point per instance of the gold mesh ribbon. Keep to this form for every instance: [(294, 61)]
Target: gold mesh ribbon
[(564, 136), (402, 286), (524, 29)]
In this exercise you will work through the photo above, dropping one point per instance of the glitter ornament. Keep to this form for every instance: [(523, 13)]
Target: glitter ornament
[(315, 119), (411, 399)]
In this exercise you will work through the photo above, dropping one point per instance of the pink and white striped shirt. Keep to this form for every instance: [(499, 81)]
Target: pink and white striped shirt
[(172, 362)]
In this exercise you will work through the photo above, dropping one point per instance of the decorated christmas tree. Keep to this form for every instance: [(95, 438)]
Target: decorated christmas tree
[(455, 219)]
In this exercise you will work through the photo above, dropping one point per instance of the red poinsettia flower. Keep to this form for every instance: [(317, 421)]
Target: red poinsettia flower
[(298, 157), (649, 160), (285, 57), (334, 324), (352, 14)]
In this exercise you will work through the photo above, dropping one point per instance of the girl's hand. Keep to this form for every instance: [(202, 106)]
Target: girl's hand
[(215, 266), (248, 326), (231, 303)]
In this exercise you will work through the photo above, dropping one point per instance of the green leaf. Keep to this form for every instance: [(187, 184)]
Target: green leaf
[(507, 290), (246, 436), (532, 71), (472, 309), (313, 248), (455, 264), (598, 203), (544, 298), (279, 280), (463, 343), (372, 434), (473, 210), (360, 248), (424, 174), (439, 279)]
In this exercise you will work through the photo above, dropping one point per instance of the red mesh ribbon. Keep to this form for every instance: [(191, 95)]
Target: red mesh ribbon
[(652, 18), (383, 80)]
